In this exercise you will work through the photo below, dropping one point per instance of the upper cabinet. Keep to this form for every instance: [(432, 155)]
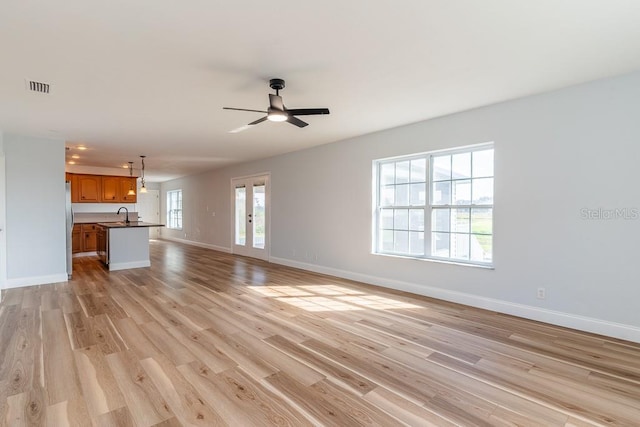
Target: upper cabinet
[(102, 189), (111, 188), (126, 184), (89, 188)]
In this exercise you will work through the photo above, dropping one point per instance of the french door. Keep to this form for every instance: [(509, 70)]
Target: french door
[(251, 216)]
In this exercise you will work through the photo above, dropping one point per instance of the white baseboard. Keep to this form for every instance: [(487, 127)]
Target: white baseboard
[(35, 280), (199, 244), (583, 323), (115, 266)]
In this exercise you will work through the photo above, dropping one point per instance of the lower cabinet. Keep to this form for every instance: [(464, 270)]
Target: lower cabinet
[(84, 238), (76, 239)]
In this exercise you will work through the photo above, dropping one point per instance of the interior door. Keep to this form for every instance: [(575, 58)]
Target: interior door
[(251, 216), (149, 210)]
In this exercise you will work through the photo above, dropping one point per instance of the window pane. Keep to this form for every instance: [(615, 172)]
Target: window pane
[(401, 219), (441, 168), (241, 214), (386, 218), (402, 172), (388, 195), (461, 192), (416, 243), (416, 219), (440, 220), (387, 173), (387, 240), (401, 244), (481, 221), (419, 170), (418, 194), (483, 163), (441, 194), (460, 246), (440, 244), (481, 248), (460, 220), (483, 191), (461, 166), (402, 195), (258, 216)]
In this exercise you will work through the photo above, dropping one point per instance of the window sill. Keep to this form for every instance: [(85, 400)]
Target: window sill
[(438, 260)]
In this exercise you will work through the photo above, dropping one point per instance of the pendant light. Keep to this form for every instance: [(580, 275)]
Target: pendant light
[(143, 188), (131, 192)]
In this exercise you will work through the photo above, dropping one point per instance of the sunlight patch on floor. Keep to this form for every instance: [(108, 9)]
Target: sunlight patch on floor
[(329, 298)]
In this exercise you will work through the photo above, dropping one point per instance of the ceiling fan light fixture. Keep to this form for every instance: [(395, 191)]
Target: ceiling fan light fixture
[(277, 116)]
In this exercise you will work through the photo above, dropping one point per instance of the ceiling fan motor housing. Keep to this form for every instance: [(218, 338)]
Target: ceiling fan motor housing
[(276, 84)]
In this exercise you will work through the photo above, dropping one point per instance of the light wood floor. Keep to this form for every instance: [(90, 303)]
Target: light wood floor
[(206, 338)]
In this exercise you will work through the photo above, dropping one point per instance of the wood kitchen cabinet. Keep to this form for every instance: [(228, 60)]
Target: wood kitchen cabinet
[(126, 183), (88, 188), (84, 238), (101, 188), (111, 189), (76, 239)]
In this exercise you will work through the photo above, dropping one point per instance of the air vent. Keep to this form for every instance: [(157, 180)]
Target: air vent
[(38, 86)]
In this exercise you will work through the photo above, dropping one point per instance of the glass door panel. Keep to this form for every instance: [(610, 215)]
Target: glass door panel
[(240, 214), (251, 216), (258, 216)]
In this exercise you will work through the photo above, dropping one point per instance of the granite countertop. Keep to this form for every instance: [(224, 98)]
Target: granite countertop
[(132, 224)]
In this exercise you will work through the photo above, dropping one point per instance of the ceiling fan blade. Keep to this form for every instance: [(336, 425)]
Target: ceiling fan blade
[(307, 111), (296, 121), (276, 102), (260, 120), (240, 129), (243, 109)]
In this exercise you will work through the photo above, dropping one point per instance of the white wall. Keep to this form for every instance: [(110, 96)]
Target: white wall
[(3, 227), (35, 210), (555, 154)]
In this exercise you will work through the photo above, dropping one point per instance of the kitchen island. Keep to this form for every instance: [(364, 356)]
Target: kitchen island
[(124, 245)]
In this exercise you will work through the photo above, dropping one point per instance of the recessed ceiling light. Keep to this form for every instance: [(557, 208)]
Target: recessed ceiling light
[(125, 166), (71, 162), (75, 156), (81, 147)]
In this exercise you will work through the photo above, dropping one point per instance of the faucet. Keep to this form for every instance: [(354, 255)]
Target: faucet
[(126, 218)]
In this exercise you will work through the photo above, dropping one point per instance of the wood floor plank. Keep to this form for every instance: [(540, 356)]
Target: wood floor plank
[(120, 417), (72, 412), (99, 387), (61, 379), (203, 348), (145, 403), (187, 405), (209, 338), (26, 409)]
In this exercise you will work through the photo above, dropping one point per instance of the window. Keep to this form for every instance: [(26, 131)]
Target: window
[(174, 209), (436, 205)]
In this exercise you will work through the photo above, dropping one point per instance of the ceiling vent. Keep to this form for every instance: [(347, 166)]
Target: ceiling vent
[(39, 87)]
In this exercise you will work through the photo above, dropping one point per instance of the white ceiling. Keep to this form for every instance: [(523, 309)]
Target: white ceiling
[(151, 76)]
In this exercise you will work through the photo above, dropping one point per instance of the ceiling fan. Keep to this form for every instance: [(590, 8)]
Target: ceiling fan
[(277, 112)]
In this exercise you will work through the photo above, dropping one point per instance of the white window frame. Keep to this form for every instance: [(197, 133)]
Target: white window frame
[(427, 208), (174, 221)]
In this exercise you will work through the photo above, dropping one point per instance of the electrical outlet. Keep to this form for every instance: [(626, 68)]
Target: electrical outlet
[(542, 293)]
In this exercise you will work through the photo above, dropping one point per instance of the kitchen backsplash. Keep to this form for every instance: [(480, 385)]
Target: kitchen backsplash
[(87, 217)]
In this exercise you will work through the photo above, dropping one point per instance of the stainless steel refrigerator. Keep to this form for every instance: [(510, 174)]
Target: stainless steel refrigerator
[(69, 223)]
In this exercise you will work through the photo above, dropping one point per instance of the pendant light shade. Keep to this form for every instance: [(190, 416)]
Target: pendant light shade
[(143, 188), (132, 191)]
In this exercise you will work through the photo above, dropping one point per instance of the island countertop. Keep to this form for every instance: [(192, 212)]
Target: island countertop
[(132, 224)]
